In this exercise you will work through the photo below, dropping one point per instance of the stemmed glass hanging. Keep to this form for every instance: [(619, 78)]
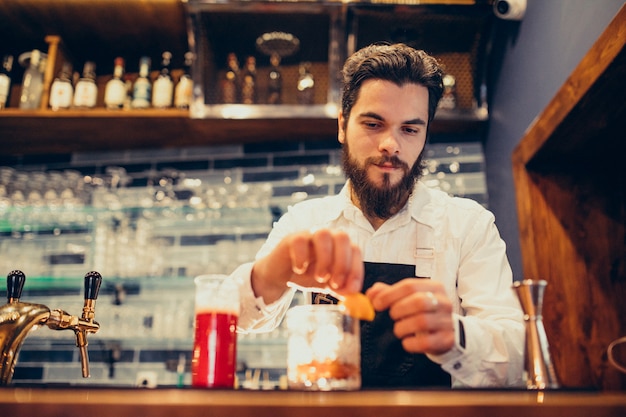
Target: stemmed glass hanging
[(277, 45)]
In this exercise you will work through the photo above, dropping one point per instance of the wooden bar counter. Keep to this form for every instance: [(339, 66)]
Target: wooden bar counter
[(170, 402)]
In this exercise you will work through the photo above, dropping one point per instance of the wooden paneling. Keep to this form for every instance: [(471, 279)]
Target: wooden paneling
[(571, 196)]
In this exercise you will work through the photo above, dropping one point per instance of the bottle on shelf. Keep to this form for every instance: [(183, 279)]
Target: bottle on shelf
[(448, 99), (248, 82), (230, 83), (163, 88), (275, 81), (184, 87), (86, 91), (306, 84), (32, 83), (5, 80), (142, 88), (62, 90), (115, 89)]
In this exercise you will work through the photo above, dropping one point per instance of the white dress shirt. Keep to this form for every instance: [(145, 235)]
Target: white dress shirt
[(449, 239)]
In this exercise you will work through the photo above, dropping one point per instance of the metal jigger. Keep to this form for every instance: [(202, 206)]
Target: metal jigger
[(538, 366)]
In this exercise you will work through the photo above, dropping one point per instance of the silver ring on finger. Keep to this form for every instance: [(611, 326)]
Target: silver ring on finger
[(434, 301)]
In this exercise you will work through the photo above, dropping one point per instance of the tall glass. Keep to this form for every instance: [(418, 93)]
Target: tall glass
[(324, 349), (214, 361)]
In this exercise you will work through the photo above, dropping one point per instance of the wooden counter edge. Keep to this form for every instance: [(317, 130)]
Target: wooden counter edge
[(90, 399)]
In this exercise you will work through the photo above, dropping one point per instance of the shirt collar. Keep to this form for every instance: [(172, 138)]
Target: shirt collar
[(421, 204), (338, 204)]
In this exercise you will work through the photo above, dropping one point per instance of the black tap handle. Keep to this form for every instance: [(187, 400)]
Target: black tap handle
[(15, 284), (93, 280)]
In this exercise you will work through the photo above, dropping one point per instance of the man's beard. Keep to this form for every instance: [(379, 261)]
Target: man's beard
[(386, 200)]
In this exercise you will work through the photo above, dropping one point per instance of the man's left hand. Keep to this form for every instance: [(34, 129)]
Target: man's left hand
[(421, 311)]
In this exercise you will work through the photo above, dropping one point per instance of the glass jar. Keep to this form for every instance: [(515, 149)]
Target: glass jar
[(324, 348)]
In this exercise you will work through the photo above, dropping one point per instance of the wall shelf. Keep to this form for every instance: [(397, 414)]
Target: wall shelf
[(45, 131), (74, 130), (138, 27)]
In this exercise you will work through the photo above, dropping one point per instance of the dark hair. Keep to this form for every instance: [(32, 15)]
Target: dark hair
[(397, 63)]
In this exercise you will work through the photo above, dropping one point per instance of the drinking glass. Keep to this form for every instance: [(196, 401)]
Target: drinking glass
[(323, 348), (214, 360)]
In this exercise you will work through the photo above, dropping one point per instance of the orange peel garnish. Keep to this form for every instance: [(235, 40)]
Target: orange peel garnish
[(358, 306)]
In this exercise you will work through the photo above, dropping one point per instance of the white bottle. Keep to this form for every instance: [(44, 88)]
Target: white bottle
[(184, 88), (62, 91), (115, 90), (163, 88), (5, 80), (306, 85), (142, 89), (32, 84), (86, 92)]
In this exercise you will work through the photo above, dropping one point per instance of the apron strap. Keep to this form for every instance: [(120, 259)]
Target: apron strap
[(424, 251)]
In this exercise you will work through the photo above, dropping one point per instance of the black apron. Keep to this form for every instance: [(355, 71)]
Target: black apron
[(384, 362)]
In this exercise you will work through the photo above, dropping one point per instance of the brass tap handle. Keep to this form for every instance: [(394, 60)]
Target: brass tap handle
[(15, 285), (93, 280)]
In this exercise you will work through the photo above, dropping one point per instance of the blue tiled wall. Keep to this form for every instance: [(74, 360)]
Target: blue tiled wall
[(124, 355)]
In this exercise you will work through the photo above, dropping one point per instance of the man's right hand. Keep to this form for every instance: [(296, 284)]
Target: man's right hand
[(325, 259)]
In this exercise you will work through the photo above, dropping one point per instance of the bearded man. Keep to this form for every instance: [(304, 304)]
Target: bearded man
[(433, 266)]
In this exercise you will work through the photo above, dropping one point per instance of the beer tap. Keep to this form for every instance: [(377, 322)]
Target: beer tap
[(18, 318), (60, 320)]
